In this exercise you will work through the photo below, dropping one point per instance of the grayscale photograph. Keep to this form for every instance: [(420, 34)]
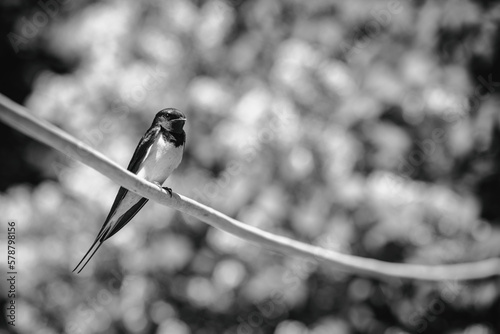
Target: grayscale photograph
[(250, 167)]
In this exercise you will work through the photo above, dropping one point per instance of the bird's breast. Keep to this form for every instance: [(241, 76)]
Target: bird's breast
[(161, 160)]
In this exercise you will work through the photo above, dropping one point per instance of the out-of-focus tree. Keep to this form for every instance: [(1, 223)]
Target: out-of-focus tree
[(369, 127)]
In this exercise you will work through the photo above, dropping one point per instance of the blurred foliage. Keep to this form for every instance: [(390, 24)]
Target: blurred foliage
[(369, 127)]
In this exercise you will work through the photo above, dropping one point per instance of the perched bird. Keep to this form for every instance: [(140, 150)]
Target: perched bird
[(159, 152)]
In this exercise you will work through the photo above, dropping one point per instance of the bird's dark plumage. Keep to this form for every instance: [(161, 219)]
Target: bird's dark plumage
[(158, 153)]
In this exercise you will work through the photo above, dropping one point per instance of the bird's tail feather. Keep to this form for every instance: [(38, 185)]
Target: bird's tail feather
[(98, 241), (85, 256)]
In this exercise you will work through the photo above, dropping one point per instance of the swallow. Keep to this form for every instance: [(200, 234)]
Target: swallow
[(159, 152)]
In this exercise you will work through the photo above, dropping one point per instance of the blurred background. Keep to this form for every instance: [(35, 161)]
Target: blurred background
[(368, 127)]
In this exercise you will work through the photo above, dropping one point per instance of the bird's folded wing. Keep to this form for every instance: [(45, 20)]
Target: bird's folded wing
[(125, 218)]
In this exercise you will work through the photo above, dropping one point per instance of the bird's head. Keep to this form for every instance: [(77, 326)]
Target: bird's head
[(170, 119)]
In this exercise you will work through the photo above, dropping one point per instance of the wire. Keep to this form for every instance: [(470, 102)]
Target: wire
[(19, 118)]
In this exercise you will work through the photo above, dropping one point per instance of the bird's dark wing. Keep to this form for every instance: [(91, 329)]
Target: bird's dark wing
[(142, 149), (107, 231), (139, 155), (125, 218)]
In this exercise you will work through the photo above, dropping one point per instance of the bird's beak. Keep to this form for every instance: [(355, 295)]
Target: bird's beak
[(178, 124), (179, 121)]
